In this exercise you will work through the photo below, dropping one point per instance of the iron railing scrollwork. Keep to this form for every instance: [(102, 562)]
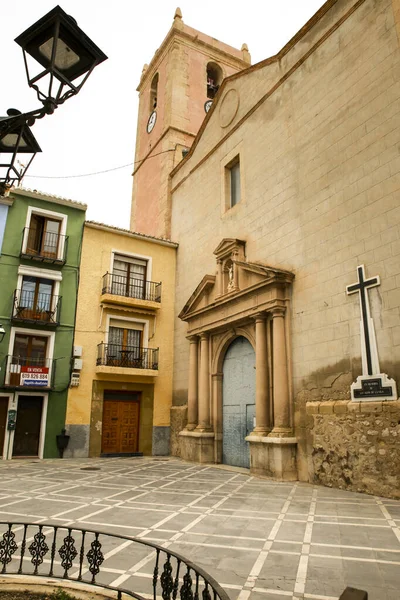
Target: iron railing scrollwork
[(120, 285), (27, 372), (80, 555), (32, 307), (131, 357), (44, 246)]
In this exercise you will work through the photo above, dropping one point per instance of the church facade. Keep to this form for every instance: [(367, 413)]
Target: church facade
[(288, 195)]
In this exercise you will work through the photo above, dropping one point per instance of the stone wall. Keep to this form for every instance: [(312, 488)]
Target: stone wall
[(178, 422), (355, 445)]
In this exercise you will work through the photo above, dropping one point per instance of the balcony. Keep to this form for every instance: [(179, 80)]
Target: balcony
[(126, 360), (36, 308), (23, 372), (44, 247), (127, 291)]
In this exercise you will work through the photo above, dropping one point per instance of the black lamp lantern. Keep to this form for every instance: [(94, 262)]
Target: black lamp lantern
[(18, 140), (64, 51), (68, 57)]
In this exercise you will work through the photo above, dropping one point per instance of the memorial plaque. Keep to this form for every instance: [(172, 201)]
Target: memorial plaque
[(373, 388)]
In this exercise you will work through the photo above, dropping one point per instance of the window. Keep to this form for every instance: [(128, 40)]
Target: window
[(129, 277), (153, 93), (43, 236), (214, 79), (28, 351), (35, 299), (124, 347), (234, 183)]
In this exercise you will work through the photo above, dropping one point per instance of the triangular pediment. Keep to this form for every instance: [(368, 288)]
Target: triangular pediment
[(230, 247), (238, 283), (200, 296), (263, 270)]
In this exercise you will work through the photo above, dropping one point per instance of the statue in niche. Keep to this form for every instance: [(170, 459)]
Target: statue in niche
[(231, 283)]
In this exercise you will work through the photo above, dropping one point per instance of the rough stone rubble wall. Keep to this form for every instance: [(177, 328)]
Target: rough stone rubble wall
[(355, 445)]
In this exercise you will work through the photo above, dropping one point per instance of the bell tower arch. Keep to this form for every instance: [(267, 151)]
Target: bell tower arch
[(182, 77)]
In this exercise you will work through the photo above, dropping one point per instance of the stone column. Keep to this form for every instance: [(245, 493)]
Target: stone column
[(204, 386), (193, 384), (280, 370), (220, 279), (235, 276), (262, 396)]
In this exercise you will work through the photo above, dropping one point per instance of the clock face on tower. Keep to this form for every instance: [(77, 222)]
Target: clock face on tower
[(207, 105), (151, 122)]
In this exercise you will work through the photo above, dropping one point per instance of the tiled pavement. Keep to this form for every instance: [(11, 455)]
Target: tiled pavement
[(261, 540)]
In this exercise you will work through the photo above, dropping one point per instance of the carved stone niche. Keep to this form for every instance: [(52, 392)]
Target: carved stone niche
[(229, 252)]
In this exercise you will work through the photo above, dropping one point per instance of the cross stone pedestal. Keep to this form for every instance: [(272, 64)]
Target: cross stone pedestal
[(373, 388), (372, 384)]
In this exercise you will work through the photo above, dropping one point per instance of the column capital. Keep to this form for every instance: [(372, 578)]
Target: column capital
[(193, 339), (278, 311), (204, 335), (261, 316)]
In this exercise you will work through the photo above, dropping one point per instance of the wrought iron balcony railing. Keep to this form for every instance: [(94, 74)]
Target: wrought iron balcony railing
[(32, 307), (29, 372), (80, 555), (44, 246), (120, 285), (131, 357)]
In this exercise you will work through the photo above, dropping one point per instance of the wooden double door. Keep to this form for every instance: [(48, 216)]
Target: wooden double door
[(121, 412)]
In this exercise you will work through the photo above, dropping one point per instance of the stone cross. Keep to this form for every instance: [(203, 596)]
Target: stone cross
[(368, 341)]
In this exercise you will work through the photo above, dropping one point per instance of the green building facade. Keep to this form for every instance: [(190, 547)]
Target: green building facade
[(40, 244)]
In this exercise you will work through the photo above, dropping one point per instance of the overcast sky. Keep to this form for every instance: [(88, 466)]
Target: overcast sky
[(96, 130)]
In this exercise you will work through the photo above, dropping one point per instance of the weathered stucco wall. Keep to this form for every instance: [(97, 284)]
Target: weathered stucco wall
[(355, 445)]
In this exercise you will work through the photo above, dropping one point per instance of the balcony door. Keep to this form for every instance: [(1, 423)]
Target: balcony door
[(29, 351), (129, 277), (35, 301), (43, 236), (124, 347)]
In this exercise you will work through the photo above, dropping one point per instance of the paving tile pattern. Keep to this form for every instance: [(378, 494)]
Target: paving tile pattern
[(260, 539)]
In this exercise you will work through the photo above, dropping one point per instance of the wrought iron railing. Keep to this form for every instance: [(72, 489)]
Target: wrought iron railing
[(131, 357), (28, 372), (119, 285), (32, 307), (75, 554), (44, 246)]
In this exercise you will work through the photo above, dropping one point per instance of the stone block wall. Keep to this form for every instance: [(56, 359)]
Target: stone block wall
[(355, 445)]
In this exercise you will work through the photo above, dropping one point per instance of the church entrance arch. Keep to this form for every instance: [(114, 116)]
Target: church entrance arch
[(238, 402)]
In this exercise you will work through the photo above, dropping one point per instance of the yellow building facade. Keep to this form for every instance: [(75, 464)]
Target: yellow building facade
[(121, 383)]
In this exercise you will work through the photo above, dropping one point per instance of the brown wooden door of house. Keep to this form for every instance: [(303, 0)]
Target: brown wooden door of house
[(120, 423), (3, 421), (27, 430)]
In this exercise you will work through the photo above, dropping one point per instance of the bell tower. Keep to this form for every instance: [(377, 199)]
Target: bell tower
[(175, 91)]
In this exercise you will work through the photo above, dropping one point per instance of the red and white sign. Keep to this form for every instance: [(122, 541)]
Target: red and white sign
[(35, 376)]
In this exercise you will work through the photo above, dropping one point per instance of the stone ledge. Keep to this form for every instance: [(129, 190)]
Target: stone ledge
[(196, 434), (331, 407), (278, 441)]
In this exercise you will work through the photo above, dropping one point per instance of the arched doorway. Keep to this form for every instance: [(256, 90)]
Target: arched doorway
[(238, 402)]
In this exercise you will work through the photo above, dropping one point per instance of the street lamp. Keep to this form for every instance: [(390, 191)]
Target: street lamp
[(67, 57), (18, 140)]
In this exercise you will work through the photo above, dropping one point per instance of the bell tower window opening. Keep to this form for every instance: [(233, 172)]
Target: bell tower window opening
[(153, 93), (214, 79)]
